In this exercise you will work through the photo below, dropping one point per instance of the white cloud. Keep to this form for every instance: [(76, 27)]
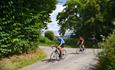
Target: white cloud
[(58, 9), (53, 26)]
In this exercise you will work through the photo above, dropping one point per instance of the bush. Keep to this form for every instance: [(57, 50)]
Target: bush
[(49, 35), (107, 56), (45, 40), (71, 42), (21, 22)]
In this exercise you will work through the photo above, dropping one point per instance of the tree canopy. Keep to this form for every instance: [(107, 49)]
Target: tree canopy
[(86, 17), (21, 22)]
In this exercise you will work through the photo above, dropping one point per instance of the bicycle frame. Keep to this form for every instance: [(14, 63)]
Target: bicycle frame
[(56, 53)]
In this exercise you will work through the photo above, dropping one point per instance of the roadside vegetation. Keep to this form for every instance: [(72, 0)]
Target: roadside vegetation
[(48, 39), (91, 17), (21, 22), (107, 56), (44, 41), (16, 62)]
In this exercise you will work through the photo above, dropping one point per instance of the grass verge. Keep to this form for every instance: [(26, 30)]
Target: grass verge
[(18, 61)]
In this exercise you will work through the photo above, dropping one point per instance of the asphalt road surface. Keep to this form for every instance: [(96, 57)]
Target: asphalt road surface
[(80, 61)]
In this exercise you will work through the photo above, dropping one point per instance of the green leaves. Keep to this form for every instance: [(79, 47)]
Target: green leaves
[(107, 56), (50, 35), (87, 16), (21, 22)]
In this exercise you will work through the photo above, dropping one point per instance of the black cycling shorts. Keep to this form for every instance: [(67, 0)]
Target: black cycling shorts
[(62, 46)]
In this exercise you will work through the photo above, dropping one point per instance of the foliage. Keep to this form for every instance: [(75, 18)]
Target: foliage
[(71, 42), (45, 41), (21, 22), (18, 61), (49, 35), (107, 56), (87, 17)]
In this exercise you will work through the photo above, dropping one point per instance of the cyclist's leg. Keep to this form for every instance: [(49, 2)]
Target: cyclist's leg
[(80, 47), (61, 50), (83, 48)]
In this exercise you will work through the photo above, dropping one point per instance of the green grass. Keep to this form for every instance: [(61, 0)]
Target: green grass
[(68, 46), (45, 44), (49, 45), (18, 61)]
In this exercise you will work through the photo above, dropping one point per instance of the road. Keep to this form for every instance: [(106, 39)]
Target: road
[(80, 61)]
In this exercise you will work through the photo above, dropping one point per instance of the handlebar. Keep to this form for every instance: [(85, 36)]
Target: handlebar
[(54, 46)]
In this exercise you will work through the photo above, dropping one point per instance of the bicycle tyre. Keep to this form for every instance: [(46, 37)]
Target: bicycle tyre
[(54, 56)]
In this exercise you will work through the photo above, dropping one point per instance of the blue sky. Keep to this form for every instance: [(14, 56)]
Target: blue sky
[(53, 26), (62, 2)]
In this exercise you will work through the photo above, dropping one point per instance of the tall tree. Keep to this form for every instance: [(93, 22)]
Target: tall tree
[(21, 22), (86, 17)]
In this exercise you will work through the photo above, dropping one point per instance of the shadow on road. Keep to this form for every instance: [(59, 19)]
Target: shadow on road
[(49, 60), (76, 53), (73, 53)]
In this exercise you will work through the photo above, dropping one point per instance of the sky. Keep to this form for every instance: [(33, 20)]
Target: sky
[(53, 26)]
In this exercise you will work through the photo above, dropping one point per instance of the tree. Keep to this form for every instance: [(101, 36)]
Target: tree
[(21, 22), (86, 17), (50, 35)]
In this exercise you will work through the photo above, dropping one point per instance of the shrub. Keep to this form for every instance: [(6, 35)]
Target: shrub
[(49, 35), (107, 56), (21, 22), (71, 41), (45, 40)]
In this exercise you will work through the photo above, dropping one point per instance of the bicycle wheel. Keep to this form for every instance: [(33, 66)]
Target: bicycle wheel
[(54, 56), (64, 54)]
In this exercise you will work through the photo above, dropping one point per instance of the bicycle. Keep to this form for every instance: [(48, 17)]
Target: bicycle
[(56, 53), (81, 48)]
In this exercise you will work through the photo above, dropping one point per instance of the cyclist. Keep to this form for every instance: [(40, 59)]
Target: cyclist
[(61, 45), (81, 43)]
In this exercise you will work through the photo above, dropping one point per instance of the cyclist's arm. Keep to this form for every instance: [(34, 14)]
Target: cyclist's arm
[(82, 42)]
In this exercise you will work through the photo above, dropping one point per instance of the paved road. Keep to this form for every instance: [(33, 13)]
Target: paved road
[(81, 61)]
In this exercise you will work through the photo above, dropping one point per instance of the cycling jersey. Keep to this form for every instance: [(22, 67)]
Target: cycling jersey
[(81, 40), (61, 41)]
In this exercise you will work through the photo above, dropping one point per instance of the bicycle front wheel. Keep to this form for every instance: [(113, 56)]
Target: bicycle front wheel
[(54, 56)]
